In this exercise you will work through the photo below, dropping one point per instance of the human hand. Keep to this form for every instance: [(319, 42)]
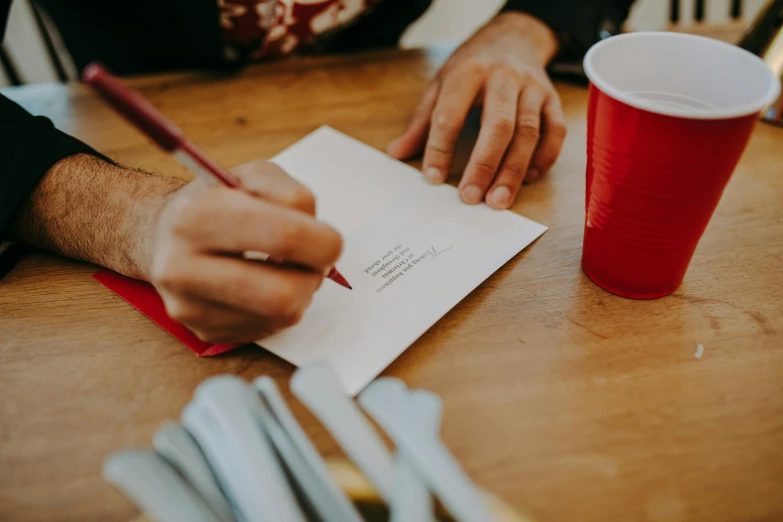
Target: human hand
[(196, 255), (503, 69)]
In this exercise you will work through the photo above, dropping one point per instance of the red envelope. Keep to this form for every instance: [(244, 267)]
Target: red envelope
[(144, 298)]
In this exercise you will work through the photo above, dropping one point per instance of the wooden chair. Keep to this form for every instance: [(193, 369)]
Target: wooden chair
[(753, 24), (32, 52), (723, 19)]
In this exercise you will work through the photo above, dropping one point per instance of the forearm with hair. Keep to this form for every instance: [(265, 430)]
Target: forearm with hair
[(88, 209)]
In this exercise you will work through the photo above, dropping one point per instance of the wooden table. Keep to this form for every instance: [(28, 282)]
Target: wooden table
[(569, 402)]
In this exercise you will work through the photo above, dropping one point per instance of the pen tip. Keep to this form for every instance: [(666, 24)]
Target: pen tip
[(338, 278)]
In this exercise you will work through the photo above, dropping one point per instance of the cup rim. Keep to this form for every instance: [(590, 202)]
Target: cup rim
[(720, 114)]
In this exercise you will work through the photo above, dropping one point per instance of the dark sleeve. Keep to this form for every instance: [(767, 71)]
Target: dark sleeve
[(578, 23), (29, 146)]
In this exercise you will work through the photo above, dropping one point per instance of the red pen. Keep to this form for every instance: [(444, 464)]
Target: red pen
[(168, 136)]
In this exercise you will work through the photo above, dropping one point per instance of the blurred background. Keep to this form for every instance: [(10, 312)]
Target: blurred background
[(33, 52)]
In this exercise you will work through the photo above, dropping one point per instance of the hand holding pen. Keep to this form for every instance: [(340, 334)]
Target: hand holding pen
[(205, 229)]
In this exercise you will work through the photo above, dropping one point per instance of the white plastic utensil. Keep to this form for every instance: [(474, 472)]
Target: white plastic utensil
[(386, 401), (155, 487), (427, 408), (225, 421), (317, 387), (337, 507), (175, 444), (412, 501), (318, 497)]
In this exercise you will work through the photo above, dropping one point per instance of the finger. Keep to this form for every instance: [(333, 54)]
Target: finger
[(259, 289), (497, 130), (456, 97), (553, 134), (504, 190), (231, 221), (412, 140), (216, 323), (269, 181)]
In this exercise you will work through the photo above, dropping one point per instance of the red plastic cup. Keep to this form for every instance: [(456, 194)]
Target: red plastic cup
[(669, 117)]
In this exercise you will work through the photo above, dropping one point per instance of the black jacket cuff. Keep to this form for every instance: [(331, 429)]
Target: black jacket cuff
[(578, 23), (28, 149)]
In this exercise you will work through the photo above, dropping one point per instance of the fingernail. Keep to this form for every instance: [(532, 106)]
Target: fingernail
[(532, 175), (391, 149), (501, 197), (433, 175), (471, 194)]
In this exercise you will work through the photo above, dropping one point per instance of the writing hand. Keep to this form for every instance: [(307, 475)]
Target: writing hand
[(199, 238), (503, 69)]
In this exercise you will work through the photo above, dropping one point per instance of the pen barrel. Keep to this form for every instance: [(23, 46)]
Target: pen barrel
[(134, 108)]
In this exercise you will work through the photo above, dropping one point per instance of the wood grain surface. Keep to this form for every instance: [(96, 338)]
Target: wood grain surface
[(568, 402)]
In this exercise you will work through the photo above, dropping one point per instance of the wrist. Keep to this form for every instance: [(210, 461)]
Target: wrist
[(136, 238), (540, 40)]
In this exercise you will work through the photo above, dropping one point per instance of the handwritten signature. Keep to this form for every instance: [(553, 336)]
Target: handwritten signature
[(434, 252)]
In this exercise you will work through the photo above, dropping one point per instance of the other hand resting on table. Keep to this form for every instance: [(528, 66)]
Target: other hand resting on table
[(503, 69)]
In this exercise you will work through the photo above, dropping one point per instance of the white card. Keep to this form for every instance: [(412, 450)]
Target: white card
[(412, 252)]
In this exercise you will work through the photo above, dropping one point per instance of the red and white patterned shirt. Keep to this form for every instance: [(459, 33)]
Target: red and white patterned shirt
[(256, 29)]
